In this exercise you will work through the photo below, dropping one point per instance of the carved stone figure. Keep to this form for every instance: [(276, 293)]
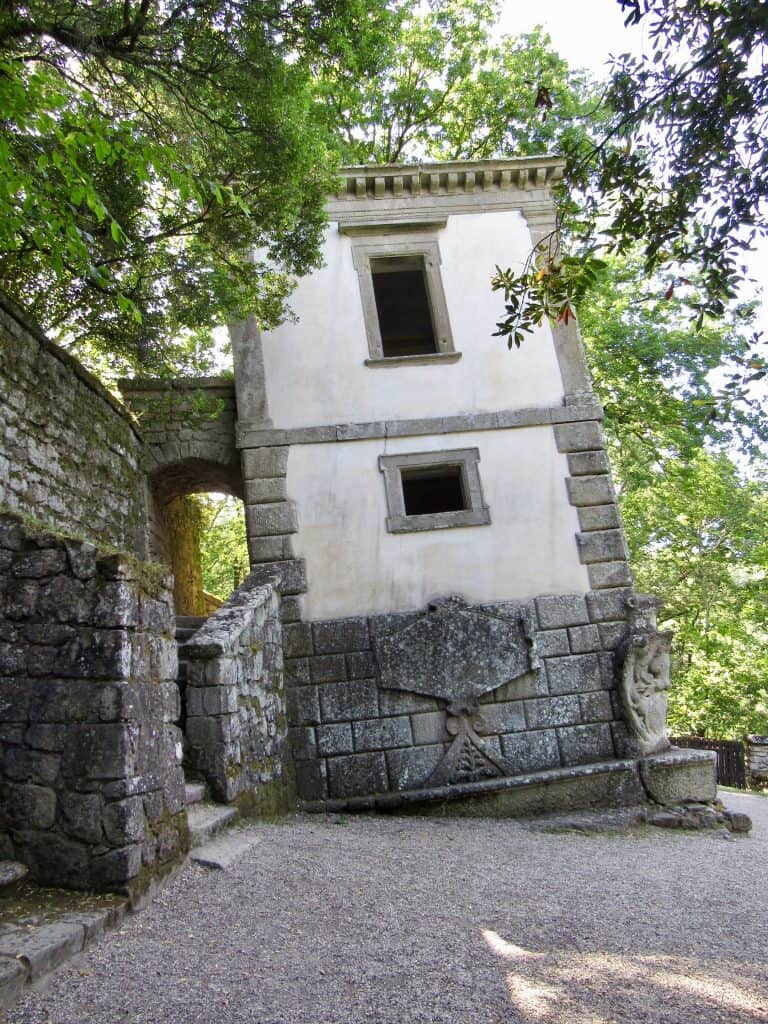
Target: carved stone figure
[(646, 678)]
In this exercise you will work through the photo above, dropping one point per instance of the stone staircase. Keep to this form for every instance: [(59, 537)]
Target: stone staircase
[(206, 819)]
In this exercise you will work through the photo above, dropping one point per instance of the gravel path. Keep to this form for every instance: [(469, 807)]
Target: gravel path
[(406, 920)]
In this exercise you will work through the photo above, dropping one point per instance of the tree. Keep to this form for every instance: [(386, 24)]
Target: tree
[(449, 90), (680, 171), (147, 147)]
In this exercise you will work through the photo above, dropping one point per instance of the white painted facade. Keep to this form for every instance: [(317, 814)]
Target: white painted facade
[(315, 367), (355, 567), (316, 375)]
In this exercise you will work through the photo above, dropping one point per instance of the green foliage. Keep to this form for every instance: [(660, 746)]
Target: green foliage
[(697, 534), (696, 525), (224, 547), (146, 149), (449, 90), (679, 169)]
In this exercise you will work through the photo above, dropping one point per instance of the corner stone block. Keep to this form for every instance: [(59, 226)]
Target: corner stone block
[(260, 491), (588, 463), (586, 743), (590, 490), (358, 775), (559, 610), (303, 705), (531, 751), (297, 640), (263, 463), (303, 745), (602, 546), (269, 520), (100, 752), (608, 605), (341, 636), (575, 674), (311, 780), (599, 517), (579, 437), (124, 821), (680, 775), (609, 574)]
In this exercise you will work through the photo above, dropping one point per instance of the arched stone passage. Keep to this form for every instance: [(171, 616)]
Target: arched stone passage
[(195, 476)]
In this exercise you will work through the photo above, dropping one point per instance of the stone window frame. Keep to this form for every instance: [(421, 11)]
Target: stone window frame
[(467, 459), (392, 241)]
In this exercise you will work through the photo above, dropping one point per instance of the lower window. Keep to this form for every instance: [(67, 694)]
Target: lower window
[(433, 490)]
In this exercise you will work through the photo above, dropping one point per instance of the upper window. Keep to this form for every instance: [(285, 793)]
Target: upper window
[(406, 317), (402, 306)]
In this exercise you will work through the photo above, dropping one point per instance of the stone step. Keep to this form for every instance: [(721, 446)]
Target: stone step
[(11, 872), (187, 626), (207, 820), (221, 853), (195, 792)]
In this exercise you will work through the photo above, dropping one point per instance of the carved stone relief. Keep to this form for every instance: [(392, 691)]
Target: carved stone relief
[(457, 653)]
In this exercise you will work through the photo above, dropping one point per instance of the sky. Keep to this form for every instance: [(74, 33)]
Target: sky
[(585, 32)]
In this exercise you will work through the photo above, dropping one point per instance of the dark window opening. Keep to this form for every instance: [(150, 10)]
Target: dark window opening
[(433, 489), (402, 306)]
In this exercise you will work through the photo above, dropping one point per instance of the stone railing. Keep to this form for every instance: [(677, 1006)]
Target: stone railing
[(91, 784), (236, 724)]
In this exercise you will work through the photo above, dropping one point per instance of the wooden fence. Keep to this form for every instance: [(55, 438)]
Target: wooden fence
[(731, 758)]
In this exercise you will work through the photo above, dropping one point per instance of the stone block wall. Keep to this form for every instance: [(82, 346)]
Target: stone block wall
[(236, 726), (69, 452), (351, 738), (91, 785)]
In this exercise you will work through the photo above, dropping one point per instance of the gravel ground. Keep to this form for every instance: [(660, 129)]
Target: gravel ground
[(345, 921)]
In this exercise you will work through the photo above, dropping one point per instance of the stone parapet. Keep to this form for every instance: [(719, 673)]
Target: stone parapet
[(235, 700), (91, 785)]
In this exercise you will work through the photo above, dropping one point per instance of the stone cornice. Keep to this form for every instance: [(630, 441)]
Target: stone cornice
[(456, 177), (255, 435)]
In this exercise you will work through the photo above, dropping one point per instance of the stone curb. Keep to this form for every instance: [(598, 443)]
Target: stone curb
[(30, 952)]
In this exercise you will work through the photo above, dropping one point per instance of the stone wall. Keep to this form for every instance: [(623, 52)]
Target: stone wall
[(91, 785), (236, 725), (351, 737), (69, 453)]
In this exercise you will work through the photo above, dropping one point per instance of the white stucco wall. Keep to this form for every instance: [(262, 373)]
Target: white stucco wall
[(315, 370), (355, 566)]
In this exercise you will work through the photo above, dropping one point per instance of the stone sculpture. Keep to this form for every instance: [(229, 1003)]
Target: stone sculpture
[(646, 677)]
